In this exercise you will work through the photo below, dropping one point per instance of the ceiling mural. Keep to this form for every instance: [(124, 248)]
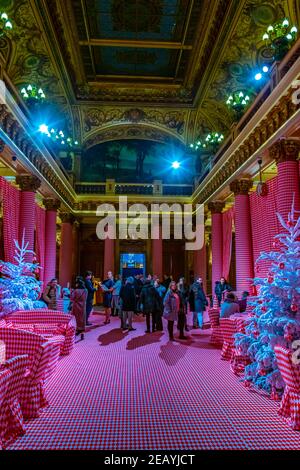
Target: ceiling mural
[(136, 160)]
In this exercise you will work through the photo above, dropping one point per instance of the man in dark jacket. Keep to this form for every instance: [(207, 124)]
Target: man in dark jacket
[(138, 285), (221, 288), (150, 303), (200, 303), (90, 295), (128, 300)]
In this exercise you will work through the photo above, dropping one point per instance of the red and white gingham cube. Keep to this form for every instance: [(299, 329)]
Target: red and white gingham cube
[(290, 403)]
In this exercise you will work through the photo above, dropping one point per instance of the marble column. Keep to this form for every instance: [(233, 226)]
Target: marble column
[(286, 152), (51, 206), (109, 255), (243, 234), (216, 208), (28, 184), (157, 252), (66, 249)]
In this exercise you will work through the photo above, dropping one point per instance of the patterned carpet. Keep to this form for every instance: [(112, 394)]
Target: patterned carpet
[(136, 391)]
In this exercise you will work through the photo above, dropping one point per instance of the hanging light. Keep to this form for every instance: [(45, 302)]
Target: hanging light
[(238, 101), (279, 36), (32, 94), (5, 24), (57, 136)]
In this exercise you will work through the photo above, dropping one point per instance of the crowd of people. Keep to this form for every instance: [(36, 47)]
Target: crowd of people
[(149, 296)]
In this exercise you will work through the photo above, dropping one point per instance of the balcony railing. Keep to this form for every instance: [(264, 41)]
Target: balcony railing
[(155, 189)]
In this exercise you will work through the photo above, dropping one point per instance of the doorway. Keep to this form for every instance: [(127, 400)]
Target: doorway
[(132, 264)]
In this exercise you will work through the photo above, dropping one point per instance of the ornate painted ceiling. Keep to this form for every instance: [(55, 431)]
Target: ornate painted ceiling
[(151, 69)]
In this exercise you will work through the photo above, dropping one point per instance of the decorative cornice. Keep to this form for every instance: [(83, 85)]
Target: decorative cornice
[(241, 186), (216, 207), (51, 204), (28, 182), (285, 150), (282, 111), (67, 217)]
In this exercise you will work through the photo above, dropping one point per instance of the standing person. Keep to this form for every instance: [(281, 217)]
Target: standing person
[(116, 296), (166, 281), (183, 289), (78, 305), (138, 285), (90, 294), (243, 301), (51, 294), (66, 298), (174, 310), (107, 286), (127, 296), (149, 302), (160, 306), (200, 302), (221, 288)]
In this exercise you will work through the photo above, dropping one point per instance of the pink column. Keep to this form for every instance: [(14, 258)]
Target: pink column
[(157, 252), (286, 152), (66, 250), (109, 254), (243, 235), (216, 241), (29, 184), (51, 206)]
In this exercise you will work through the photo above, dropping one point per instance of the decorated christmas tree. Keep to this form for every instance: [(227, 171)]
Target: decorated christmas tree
[(19, 288), (276, 313)]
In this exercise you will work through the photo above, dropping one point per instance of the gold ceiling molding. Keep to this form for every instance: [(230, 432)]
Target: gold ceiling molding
[(130, 131), (98, 117)]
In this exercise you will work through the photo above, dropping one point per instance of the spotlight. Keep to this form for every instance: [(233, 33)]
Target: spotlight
[(44, 129), (265, 69), (175, 165), (258, 76)]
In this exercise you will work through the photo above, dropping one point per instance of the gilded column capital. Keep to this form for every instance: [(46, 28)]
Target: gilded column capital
[(28, 182), (66, 217), (285, 150), (216, 207), (241, 186), (51, 204)]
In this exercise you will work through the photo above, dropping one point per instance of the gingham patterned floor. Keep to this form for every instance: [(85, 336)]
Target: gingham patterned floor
[(135, 391)]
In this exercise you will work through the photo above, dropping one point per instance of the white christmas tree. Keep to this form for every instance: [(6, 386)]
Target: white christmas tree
[(19, 288), (276, 315)]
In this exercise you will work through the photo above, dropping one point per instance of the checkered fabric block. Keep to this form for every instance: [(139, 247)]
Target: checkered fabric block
[(215, 302), (55, 343), (23, 326), (33, 395), (290, 403), (20, 342), (2, 323), (5, 377), (214, 317), (228, 328), (65, 324), (240, 324), (12, 421), (42, 329), (239, 362)]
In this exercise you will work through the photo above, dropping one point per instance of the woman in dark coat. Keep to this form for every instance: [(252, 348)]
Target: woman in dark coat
[(78, 301), (174, 310)]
